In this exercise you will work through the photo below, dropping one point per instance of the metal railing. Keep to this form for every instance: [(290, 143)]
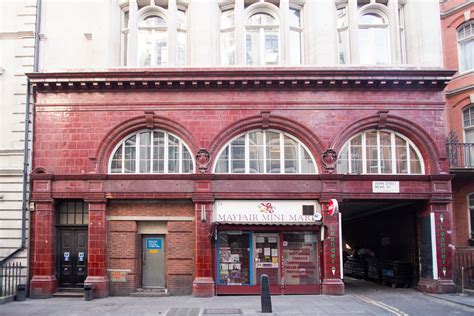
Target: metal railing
[(461, 155), (10, 276)]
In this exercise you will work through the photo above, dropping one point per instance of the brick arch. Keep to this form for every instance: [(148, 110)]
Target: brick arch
[(121, 130), (458, 21), (425, 143), (304, 134)]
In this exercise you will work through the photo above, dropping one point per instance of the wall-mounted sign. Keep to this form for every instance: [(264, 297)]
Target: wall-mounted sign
[(154, 243), (385, 187), (66, 256), (264, 212), (118, 276), (333, 207), (80, 256)]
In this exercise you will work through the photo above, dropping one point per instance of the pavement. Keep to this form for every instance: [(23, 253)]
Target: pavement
[(362, 298)]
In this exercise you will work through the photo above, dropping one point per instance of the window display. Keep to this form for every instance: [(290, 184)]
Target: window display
[(234, 258), (300, 258)]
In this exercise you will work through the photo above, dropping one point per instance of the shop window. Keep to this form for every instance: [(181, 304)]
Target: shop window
[(234, 258), (73, 212), (466, 46), (300, 254), (151, 151), (382, 152), (266, 151)]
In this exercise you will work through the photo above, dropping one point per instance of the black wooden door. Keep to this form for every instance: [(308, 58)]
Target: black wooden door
[(72, 257)]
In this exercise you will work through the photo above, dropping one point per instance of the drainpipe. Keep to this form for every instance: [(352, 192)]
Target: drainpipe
[(26, 157)]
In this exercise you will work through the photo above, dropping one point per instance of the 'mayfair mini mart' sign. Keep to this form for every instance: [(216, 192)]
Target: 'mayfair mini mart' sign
[(266, 212)]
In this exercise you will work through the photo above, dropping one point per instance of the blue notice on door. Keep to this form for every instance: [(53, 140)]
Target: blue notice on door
[(154, 243)]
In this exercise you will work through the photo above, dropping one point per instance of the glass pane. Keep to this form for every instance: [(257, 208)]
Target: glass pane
[(145, 152), (173, 154), (273, 152), (228, 48), (307, 164), (151, 21), (227, 19), (295, 51), (467, 55), (234, 259), (385, 152), (79, 212), (371, 18), (295, 18), (371, 148), (252, 44), (116, 165), (291, 155), (187, 160), (415, 164), (356, 155), (237, 148), (468, 116), (271, 47), (130, 155), (63, 213), (256, 148), (301, 257), (261, 19), (223, 162), (342, 162), (181, 19), (71, 207), (158, 152), (401, 155), (181, 46), (381, 50), (152, 48)]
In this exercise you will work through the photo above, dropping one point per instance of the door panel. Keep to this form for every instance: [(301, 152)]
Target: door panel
[(153, 261), (72, 257)]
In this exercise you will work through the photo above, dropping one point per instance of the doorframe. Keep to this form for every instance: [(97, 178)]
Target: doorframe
[(140, 255), (57, 256)]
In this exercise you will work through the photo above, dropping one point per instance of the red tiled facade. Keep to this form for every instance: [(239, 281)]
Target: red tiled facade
[(459, 96), (80, 117)]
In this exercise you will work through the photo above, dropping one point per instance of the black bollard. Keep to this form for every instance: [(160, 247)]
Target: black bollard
[(265, 294)]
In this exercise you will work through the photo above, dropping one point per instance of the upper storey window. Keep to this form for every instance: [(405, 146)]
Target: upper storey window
[(251, 33), (153, 35), (151, 151), (266, 151), (380, 151), (466, 46), (374, 44), (375, 31), (262, 39)]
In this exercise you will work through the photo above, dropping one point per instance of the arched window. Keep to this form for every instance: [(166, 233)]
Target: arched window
[(466, 46), (152, 41), (262, 39), (374, 38), (380, 151), (468, 124), (268, 151), (151, 151)]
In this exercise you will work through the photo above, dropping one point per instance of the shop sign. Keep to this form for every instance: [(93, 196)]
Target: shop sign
[(265, 212), (154, 243), (118, 275), (385, 186), (333, 207)]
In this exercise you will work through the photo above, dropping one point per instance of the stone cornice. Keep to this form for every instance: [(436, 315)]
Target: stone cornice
[(269, 78)]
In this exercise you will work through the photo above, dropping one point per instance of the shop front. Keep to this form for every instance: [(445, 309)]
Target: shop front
[(277, 238)]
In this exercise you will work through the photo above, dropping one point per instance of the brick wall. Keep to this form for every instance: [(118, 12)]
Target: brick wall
[(124, 245)]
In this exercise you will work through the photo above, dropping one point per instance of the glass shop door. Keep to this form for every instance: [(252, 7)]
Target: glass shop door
[(267, 257)]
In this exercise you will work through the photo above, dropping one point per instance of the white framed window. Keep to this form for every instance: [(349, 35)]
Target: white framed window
[(470, 209), (152, 40), (380, 152), (374, 38), (151, 151), (265, 152), (227, 24), (124, 34), (468, 125), (262, 38), (342, 21), (466, 46), (295, 39)]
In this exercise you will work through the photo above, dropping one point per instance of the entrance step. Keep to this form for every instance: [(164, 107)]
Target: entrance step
[(150, 292), (69, 292)]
